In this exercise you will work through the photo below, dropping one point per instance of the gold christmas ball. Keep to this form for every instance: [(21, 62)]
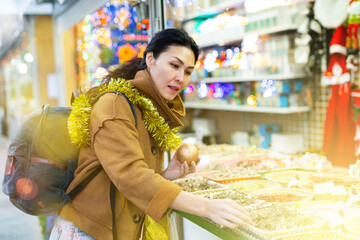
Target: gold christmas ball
[(187, 153)]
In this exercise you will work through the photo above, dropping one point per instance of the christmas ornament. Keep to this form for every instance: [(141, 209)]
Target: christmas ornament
[(336, 72), (78, 123)]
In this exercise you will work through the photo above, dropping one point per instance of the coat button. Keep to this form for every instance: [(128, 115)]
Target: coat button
[(153, 150), (137, 219)]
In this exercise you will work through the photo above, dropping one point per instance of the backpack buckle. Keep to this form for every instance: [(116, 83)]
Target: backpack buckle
[(9, 168)]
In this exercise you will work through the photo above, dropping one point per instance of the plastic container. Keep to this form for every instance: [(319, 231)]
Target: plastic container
[(317, 235)]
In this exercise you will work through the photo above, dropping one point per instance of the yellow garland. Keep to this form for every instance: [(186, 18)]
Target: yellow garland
[(78, 122)]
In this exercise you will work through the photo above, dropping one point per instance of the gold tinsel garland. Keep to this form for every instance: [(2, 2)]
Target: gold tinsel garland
[(78, 122)]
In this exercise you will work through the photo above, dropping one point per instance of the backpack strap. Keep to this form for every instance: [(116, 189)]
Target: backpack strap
[(87, 180), (84, 183), (112, 203), (118, 93)]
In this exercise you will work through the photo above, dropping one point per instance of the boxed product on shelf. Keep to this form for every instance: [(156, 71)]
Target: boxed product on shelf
[(287, 143), (266, 131), (274, 101), (240, 138)]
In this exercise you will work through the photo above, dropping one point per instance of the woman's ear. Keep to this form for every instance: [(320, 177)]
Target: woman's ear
[(149, 59)]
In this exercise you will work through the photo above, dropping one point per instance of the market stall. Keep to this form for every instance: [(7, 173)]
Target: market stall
[(285, 194)]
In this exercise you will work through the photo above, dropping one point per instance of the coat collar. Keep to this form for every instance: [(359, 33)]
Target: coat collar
[(172, 111)]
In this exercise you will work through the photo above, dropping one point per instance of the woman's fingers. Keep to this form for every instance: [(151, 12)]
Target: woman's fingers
[(186, 168), (197, 161), (234, 219), (192, 167), (241, 210), (226, 223), (229, 214)]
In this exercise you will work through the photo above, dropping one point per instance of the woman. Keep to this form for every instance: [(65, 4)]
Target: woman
[(130, 149)]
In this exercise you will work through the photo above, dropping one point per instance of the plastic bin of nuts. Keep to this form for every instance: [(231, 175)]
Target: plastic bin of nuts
[(253, 185), (242, 198), (284, 177), (198, 185), (278, 219), (318, 235), (352, 225), (230, 175), (284, 195)]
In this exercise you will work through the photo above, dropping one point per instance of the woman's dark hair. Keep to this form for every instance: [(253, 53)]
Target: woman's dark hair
[(158, 44)]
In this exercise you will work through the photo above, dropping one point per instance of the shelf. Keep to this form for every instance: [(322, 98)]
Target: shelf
[(229, 35), (244, 108), (251, 78), (213, 9)]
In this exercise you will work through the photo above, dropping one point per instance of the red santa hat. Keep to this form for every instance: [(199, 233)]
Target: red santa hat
[(338, 41), (336, 72)]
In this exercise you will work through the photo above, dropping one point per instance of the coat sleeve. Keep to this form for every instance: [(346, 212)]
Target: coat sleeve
[(116, 144)]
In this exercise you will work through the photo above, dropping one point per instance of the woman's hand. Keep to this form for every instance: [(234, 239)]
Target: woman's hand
[(178, 170), (227, 213)]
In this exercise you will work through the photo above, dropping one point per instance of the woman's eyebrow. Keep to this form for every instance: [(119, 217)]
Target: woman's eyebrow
[(183, 62)]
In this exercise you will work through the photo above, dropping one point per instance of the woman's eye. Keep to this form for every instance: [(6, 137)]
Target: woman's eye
[(187, 72), (174, 66)]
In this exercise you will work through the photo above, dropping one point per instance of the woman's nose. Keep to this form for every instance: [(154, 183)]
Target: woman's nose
[(180, 76)]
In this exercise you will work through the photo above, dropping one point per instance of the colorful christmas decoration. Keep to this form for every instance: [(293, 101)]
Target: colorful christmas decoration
[(337, 72)]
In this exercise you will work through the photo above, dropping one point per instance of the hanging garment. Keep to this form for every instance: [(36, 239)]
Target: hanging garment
[(339, 129)]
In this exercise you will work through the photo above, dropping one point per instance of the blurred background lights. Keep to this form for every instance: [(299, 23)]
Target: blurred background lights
[(189, 89), (218, 91), (26, 188), (250, 43), (13, 61), (28, 58), (251, 101), (22, 68), (202, 90), (268, 88)]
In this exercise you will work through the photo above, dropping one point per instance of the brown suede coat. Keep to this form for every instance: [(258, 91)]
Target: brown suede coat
[(130, 159)]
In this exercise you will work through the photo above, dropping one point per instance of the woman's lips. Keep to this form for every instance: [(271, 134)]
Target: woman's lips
[(173, 88)]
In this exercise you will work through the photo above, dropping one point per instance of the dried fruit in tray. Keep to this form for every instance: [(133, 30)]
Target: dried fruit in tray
[(284, 177), (195, 184), (229, 175), (234, 173), (284, 195), (336, 178), (332, 212), (253, 185), (277, 216), (242, 198), (318, 235)]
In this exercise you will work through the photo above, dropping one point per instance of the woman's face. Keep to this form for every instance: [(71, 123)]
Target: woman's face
[(171, 70)]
